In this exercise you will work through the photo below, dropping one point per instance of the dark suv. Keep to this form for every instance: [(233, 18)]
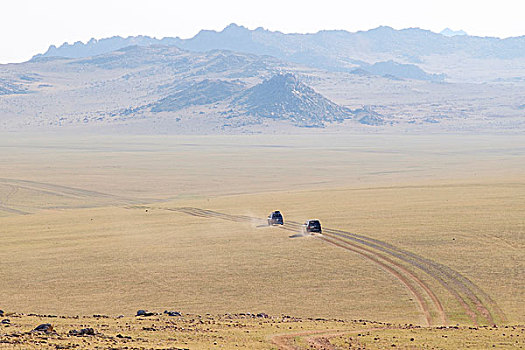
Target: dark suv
[(275, 218), (312, 226)]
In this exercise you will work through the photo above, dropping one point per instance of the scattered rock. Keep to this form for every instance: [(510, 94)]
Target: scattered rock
[(262, 315), (172, 313), (6, 321), (45, 328), (83, 331), (1, 312)]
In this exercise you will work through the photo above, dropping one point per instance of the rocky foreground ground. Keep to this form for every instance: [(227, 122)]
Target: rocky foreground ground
[(176, 330)]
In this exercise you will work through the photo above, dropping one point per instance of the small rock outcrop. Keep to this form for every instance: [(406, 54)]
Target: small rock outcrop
[(367, 116)]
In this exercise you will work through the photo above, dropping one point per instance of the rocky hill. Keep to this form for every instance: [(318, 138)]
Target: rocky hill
[(284, 97), (144, 84)]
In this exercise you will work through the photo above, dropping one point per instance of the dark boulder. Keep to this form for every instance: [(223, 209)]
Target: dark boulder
[(144, 313), (45, 328)]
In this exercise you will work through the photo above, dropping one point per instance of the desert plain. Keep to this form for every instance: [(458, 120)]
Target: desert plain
[(423, 243)]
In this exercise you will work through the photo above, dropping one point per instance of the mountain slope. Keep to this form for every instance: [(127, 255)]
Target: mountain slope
[(200, 93)]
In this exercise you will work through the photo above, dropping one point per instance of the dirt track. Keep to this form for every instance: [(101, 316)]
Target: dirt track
[(79, 197), (403, 265), (316, 339)]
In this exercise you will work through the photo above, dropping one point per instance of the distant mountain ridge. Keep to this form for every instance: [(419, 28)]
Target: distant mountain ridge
[(262, 41), (95, 47), (333, 50)]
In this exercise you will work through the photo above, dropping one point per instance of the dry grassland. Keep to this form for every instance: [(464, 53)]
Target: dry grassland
[(95, 226)]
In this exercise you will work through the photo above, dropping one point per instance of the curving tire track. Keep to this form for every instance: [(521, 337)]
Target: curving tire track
[(388, 263), (3, 202), (476, 304), (390, 269)]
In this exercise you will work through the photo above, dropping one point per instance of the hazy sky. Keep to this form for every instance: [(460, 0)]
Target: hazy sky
[(28, 27)]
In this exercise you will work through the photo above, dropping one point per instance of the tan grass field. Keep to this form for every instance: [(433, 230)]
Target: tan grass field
[(93, 225)]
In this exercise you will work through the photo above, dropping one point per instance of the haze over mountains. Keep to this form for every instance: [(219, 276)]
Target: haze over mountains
[(333, 50), (241, 80)]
